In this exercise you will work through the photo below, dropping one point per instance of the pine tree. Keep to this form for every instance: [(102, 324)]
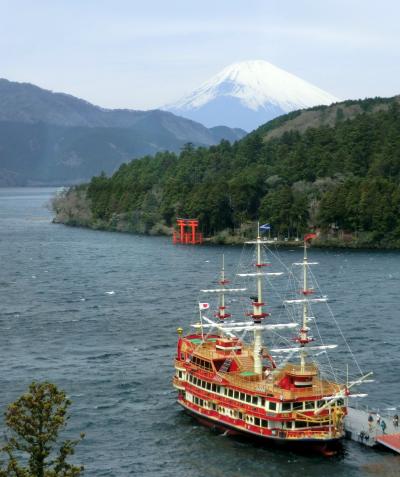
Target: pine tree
[(35, 421)]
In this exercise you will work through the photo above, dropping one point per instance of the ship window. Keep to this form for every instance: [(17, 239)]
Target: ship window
[(314, 424), (286, 406), (240, 415), (288, 425), (180, 374), (213, 387), (226, 391), (297, 406), (257, 421), (254, 400), (218, 389), (340, 402), (320, 403), (230, 392), (213, 406), (263, 402), (242, 396), (208, 386), (236, 394), (309, 404), (203, 384), (264, 423), (299, 424), (248, 398), (272, 406)]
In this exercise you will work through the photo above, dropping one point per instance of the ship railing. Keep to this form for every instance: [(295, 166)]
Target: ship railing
[(259, 385), (309, 433), (179, 364), (307, 370), (177, 383)]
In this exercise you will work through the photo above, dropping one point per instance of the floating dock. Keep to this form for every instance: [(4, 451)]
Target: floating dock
[(360, 429)]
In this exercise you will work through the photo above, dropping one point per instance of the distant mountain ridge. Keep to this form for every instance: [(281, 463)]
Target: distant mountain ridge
[(56, 138), (248, 94)]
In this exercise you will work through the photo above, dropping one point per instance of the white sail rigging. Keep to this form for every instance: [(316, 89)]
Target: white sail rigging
[(294, 350), (243, 326), (260, 274), (224, 290), (323, 299)]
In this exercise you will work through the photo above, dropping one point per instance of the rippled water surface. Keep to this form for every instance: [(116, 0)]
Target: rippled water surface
[(96, 313)]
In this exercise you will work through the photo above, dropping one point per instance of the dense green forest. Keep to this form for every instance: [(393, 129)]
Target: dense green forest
[(342, 179)]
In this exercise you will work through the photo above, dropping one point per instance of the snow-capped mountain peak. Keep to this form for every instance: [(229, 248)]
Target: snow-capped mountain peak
[(257, 89)]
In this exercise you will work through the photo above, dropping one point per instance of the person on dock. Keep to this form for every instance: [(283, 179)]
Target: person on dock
[(370, 422), (396, 420), (383, 426), (378, 418)]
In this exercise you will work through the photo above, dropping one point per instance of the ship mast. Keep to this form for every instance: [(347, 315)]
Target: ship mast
[(221, 315), (258, 313), (303, 337)]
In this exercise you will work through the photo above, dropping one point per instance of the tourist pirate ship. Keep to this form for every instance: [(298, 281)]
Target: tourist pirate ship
[(277, 394)]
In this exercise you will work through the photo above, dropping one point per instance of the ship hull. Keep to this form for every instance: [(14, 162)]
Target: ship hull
[(325, 447)]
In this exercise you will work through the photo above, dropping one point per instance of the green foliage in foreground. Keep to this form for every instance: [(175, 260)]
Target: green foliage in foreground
[(344, 177), (35, 421)]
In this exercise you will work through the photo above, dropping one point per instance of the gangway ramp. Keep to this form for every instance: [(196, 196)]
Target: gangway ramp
[(358, 428)]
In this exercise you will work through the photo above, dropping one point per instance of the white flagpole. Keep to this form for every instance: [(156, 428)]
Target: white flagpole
[(201, 324)]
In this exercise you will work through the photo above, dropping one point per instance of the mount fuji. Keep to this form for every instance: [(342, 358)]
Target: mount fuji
[(248, 94)]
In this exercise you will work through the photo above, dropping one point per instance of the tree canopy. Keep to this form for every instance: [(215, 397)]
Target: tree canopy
[(34, 422)]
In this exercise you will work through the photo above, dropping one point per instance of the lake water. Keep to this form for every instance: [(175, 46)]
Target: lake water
[(113, 352)]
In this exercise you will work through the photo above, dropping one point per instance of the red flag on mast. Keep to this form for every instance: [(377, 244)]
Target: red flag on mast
[(309, 237)]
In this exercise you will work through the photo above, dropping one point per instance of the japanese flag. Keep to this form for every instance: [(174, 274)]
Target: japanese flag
[(204, 306)]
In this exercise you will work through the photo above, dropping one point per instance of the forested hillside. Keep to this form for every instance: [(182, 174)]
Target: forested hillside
[(341, 178)]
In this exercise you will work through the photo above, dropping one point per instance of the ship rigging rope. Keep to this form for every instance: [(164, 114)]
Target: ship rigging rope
[(339, 328), (316, 284), (292, 284), (296, 283)]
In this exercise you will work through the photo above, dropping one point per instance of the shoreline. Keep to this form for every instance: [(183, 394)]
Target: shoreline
[(235, 240)]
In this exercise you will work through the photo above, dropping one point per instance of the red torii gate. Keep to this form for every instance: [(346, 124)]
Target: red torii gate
[(187, 232)]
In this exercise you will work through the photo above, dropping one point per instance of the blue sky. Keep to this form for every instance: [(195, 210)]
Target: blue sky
[(142, 54)]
